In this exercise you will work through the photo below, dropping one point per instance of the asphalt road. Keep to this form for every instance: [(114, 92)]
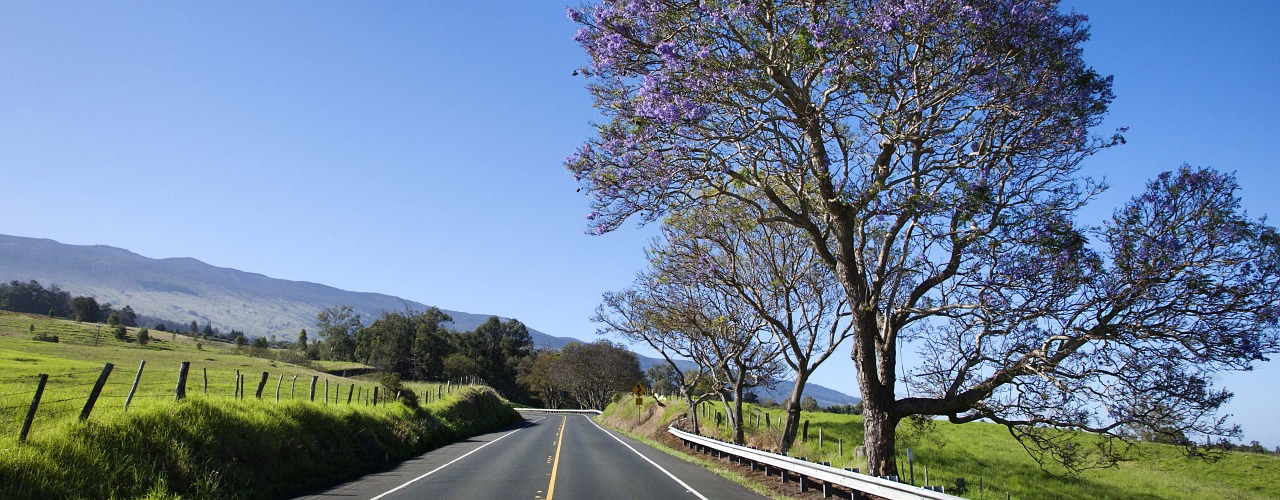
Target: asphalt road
[(551, 456)]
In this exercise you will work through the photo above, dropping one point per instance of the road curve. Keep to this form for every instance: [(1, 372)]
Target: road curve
[(550, 456)]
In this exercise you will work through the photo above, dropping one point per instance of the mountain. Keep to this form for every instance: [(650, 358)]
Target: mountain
[(186, 289)]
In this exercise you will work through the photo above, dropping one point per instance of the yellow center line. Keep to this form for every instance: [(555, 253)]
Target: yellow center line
[(551, 488)]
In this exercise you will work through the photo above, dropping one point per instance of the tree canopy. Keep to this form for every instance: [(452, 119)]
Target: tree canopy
[(930, 153)]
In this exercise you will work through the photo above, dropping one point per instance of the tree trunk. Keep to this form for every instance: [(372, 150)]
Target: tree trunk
[(693, 413), (792, 424), (736, 417), (881, 439)]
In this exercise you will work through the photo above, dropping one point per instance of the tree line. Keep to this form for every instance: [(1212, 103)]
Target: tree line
[(419, 345), (33, 298)]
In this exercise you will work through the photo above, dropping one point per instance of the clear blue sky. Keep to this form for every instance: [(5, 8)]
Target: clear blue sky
[(415, 148)]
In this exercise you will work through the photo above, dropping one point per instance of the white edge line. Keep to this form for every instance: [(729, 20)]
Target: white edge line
[(433, 471), (651, 462)]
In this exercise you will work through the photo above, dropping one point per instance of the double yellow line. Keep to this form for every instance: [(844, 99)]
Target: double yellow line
[(555, 465)]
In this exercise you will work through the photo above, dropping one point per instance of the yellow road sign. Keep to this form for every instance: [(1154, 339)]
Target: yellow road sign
[(638, 389)]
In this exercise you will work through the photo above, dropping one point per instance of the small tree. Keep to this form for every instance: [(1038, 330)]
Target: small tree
[(120, 332), (808, 403), (84, 309), (144, 336)]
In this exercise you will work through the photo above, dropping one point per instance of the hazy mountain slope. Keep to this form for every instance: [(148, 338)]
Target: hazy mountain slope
[(185, 289)]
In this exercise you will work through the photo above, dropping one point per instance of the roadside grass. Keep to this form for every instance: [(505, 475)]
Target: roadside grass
[(986, 452), (212, 444)]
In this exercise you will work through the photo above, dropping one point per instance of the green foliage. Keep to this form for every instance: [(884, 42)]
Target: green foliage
[(84, 309), (44, 337), (120, 332), (663, 379), (337, 329), (33, 298), (808, 403), (987, 451), (236, 449), (144, 336), (208, 446)]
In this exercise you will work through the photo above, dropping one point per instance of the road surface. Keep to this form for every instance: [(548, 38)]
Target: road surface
[(551, 456)]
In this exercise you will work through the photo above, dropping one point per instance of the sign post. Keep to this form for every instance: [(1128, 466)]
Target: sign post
[(638, 390)]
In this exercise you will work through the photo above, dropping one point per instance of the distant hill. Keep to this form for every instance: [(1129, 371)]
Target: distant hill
[(185, 289)]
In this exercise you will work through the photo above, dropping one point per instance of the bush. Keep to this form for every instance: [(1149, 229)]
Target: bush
[(44, 337), (121, 333), (391, 383), (144, 336)]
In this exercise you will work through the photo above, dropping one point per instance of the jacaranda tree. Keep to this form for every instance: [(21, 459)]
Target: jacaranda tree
[(930, 151)]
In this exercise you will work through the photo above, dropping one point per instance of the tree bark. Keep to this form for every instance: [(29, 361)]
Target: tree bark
[(881, 440), (739, 438), (792, 424)]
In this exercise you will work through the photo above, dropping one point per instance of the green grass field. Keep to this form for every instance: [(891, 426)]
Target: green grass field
[(211, 444), (987, 451)]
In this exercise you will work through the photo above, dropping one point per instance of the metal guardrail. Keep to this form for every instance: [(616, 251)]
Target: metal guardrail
[(872, 485)]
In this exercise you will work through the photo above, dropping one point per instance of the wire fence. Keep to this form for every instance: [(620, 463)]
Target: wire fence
[(27, 403)]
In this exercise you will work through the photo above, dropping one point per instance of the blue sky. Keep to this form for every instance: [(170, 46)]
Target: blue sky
[(415, 149)]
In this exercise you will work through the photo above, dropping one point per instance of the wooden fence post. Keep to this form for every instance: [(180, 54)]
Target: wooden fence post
[(294, 388), (375, 395), (261, 384), (181, 391), (350, 389), (278, 384), (314, 379), (326, 392), (31, 412), (134, 389), (97, 390), (205, 390), (806, 432)]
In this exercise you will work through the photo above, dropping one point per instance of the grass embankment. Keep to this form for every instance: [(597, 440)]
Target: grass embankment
[(209, 445), (987, 451)]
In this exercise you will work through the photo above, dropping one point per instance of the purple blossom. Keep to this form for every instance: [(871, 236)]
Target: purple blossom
[(573, 15)]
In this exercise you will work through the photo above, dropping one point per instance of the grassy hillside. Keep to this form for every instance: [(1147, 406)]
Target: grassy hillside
[(211, 444), (987, 451)]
